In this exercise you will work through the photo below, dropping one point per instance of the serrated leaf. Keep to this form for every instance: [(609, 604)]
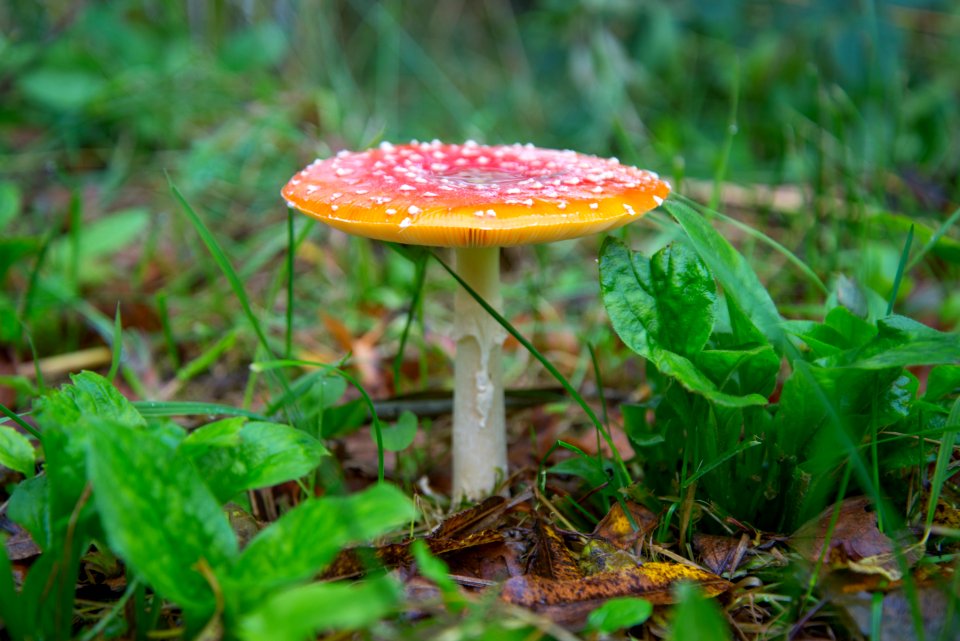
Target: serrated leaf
[(64, 419), (630, 290), (303, 612), (237, 456), (16, 451), (668, 301), (290, 550), (158, 514)]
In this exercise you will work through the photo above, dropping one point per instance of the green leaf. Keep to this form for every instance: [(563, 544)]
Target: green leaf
[(400, 435), (901, 341), (696, 617), (668, 301), (617, 614), (293, 549), (65, 418), (158, 514), (741, 372), (11, 607), (237, 456), (30, 507), (91, 397), (304, 612), (728, 266), (631, 287), (943, 381), (16, 451)]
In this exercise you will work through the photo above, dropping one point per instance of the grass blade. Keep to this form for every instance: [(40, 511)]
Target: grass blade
[(900, 267), (224, 264)]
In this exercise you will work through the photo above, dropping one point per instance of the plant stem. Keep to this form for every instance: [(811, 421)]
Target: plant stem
[(479, 430)]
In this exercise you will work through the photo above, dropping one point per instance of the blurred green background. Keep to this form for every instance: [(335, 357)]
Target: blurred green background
[(852, 105)]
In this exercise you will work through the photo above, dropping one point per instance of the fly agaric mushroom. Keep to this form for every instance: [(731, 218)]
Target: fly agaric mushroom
[(476, 199)]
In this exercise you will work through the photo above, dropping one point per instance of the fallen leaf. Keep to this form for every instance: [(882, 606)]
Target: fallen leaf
[(856, 542), (720, 553), (599, 555), (652, 581), (622, 530), (551, 557)]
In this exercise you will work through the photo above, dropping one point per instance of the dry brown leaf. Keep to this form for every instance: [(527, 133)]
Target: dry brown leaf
[(471, 519), (552, 558), (617, 528), (856, 542), (569, 601), (720, 553)]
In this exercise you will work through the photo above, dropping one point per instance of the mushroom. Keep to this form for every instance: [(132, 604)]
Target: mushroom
[(475, 199)]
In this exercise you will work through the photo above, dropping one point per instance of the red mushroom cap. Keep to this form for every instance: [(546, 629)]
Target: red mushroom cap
[(472, 195)]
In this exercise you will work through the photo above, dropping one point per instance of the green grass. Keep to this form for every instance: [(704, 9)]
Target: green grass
[(142, 148)]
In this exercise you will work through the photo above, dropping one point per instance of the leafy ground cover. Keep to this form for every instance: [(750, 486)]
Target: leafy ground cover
[(735, 418)]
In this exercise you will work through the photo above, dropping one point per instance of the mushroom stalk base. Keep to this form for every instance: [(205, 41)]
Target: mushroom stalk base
[(479, 431)]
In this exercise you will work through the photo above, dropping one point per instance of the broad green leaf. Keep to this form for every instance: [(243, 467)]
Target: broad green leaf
[(631, 287), (235, 456), (901, 341), (738, 279), (11, 610), (815, 395), (306, 611), (668, 301), (591, 470), (617, 614), (158, 514), (307, 538), (30, 507), (398, 436), (64, 419), (90, 397), (741, 372), (696, 617), (852, 330), (16, 451), (943, 381), (696, 381)]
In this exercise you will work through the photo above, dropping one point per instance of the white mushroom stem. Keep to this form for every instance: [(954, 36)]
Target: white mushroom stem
[(479, 428)]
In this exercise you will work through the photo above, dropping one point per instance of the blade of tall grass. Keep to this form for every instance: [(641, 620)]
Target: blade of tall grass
[(942, 466), (13, 416), (226, 268), (937, 235), (418, 283), (898, 277), (156, 409), (117, 345)]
